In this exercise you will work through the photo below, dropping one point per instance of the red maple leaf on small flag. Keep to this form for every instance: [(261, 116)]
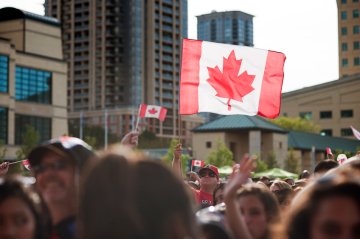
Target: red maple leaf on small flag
[(152, 111), (228, 83)]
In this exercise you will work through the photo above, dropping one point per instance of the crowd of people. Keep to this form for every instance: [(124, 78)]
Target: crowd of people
[(121, 193)]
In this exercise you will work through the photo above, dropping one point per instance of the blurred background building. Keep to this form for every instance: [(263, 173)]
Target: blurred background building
[(349, 36), (121, 54), (32, 78), (232, 27)]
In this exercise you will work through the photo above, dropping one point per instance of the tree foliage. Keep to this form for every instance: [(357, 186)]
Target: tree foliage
[(292, 163), (30, 139), (148, 140), (168, 158), (271, 160), (94, 135), (221, 156), (2, 151), (296, 124)]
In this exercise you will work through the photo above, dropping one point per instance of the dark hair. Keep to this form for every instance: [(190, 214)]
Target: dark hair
[(133, 199), (11, 187), (325, 165), (266, 198), (304, 174), (299, 221), (220, 186)]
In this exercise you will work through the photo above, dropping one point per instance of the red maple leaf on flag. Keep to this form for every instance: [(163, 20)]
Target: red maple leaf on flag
[(228, 83), (152, 111)]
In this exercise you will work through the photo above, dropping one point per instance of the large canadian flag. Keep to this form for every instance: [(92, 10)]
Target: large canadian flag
[(228, 79), (152, 111)]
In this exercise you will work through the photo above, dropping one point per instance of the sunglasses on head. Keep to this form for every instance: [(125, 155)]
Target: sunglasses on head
[(58, 165), (207, 173)]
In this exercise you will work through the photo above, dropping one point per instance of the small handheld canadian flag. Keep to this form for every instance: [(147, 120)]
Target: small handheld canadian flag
[(152, 111), (197, 163), (26, 164)]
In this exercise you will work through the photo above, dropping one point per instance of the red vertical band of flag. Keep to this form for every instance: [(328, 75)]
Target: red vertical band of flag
[(270, 97), (190, 67), (162, 114), (142, 111)]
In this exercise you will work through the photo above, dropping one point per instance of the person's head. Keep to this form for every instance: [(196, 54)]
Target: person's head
[(265, 180), (259, 208), (133, 197), (330, 208), (304, 175), (22, 213), (279, 185), (218, 194), (209, 177), (323, 166), (56, 164)]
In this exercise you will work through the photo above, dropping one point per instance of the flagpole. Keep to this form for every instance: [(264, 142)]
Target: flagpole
[(16, 162), (81, 125), (181, 41), (138, 119), (106, 129)]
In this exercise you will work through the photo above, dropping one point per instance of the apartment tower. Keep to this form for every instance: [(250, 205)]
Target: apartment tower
[(232, 27), (349, 37), (121, 53)]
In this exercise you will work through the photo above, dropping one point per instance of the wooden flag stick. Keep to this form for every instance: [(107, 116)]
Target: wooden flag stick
[(138, 119), (16, 162)]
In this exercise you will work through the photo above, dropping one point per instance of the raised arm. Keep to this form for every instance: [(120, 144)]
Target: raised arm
[(176, 163), (131, 139), (233, 215)]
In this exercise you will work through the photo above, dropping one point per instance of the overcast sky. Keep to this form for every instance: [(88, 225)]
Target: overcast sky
[(304, 30)]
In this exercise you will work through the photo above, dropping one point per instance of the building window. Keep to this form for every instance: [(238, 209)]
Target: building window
[(347, 113), (326, 132), (285, 114), (4, 73), (344, 31), (356, 29), (33, 85), (306, 115), (344, 46), (343, 15), (325, 114), (343, 1), (345, 62), (356, 45), (208, 144), (41, 124), (3, 125), (346, 132), (355, 0), (357, 61), (356, 13)]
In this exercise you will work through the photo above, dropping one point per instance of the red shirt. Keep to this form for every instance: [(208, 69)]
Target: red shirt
[(202, 198)]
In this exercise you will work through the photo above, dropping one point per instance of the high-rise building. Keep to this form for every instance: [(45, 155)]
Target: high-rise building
[(32, 78), (121, 53), (232, 27), (349, 36)]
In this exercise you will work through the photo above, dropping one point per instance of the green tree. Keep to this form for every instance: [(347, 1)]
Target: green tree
[(271, 160), (29, 139), (168, 158), (2, 151), (292, 163), (95, 134), (261, 165), (296, 124), (221, 156), (148, 140)]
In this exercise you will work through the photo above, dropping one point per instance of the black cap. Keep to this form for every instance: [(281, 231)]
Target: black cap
[(73, 148)]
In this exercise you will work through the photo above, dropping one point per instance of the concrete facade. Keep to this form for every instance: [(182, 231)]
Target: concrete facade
[(34, 43), (335, 106)]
